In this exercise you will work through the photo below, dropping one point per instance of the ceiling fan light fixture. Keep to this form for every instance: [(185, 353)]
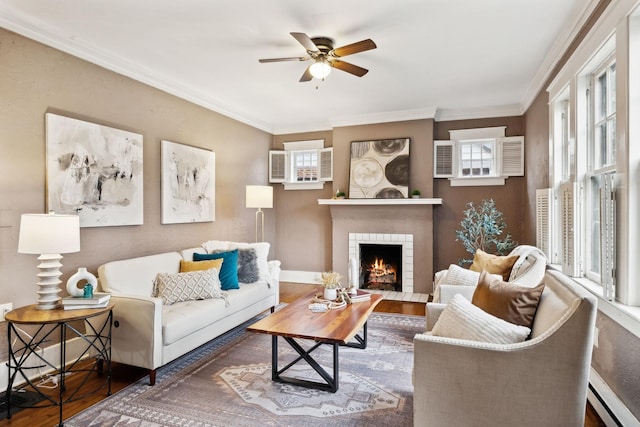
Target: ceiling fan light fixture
[(320, 69)]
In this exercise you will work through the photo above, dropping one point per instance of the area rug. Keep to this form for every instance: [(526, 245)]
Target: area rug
[(227, 382)]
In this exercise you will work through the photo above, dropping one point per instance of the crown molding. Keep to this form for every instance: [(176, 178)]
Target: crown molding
[(443, 115), (575, 23), (40, 32)]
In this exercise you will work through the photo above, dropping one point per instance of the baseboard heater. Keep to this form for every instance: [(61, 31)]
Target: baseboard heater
[(608, 406)]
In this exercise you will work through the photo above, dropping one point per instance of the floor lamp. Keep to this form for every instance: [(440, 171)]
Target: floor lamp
[(49, 235), (260, 197)]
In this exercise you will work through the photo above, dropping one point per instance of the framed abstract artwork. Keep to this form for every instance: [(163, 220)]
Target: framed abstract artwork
[(188, 183), (94, 171), (379, 169)]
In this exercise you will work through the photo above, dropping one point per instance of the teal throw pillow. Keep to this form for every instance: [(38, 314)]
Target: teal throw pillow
[(229, 272)]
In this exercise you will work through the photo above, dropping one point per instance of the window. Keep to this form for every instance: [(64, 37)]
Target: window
[(584, 172), (601, 131), (479, 157), (476, 158), (302, 165)]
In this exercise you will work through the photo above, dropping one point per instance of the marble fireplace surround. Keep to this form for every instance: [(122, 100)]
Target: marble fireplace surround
[(385, 216)]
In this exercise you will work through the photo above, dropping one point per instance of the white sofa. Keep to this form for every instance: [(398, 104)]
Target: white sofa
[(542, 381), (148, 334)]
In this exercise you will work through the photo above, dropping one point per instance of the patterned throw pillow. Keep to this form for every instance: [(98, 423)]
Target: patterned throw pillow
[(193, 285)]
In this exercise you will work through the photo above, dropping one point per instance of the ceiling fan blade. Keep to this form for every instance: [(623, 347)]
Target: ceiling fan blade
[(293, 58), (307, 75), (305, 41), (358, 47), (349, 68)]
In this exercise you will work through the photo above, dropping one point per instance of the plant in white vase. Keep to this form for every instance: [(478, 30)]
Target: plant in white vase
[(331, 281)]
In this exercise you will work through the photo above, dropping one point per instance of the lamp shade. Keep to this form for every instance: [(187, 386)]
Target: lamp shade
[(49, 234), (320, 69), (259, 196)]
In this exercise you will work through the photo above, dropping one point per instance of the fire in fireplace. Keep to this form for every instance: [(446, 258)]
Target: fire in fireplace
[(381, 267)]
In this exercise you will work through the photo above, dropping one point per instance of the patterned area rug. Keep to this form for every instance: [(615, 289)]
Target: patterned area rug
[(227, 382)]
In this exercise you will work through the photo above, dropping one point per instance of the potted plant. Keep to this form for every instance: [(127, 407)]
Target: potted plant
[(331, 282), (340, 194), (415, 194), (482, 227)]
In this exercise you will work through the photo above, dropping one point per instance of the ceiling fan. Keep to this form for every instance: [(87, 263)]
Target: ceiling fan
[(325, 56)]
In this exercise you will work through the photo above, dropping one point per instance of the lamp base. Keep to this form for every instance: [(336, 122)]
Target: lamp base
[(48, 281)]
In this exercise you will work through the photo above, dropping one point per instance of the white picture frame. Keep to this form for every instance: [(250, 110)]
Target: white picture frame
[(188, 183)]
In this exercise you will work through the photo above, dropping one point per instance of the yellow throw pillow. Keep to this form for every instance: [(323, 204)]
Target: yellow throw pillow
[(186, 266), (516, 304), (493, 264)]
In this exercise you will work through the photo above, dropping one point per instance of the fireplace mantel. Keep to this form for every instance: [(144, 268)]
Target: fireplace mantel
[(379, 202)]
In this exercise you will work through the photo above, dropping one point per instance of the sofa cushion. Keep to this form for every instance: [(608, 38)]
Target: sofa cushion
[(193, 285), (184, 318), (494, 264), (136, 276), (508, 301), (186, 265), (463, 320), (229, 271), (261, 248)]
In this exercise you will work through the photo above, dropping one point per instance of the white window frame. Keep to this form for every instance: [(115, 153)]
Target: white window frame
[(618, 32), (507, 156), (282, 165)]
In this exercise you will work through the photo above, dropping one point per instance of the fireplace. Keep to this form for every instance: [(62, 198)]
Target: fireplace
[(380, 267), (385, 260)]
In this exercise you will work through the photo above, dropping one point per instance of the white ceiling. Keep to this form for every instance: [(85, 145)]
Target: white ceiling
[(443, 59)]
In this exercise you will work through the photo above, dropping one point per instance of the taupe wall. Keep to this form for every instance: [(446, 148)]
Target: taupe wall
[(303, 227), (509, 198), (35, 79)]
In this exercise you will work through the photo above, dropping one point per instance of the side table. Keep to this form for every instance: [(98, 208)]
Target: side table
[(26, 355)]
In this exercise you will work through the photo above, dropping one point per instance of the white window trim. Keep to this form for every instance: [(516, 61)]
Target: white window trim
[(499, 170), (613, 20), (293, 146)]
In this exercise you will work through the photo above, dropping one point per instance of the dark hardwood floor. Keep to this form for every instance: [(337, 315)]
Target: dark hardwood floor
[(123, 375)]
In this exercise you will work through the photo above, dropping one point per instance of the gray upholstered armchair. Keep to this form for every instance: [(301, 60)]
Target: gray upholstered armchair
[(540, 382)]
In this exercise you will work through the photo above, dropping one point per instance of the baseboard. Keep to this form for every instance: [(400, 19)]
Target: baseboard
[(310, 277), (609, 407), (52, 354)]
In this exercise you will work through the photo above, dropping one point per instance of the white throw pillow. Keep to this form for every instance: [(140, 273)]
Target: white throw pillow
[(458, 276), (189, 286), (463, 320)]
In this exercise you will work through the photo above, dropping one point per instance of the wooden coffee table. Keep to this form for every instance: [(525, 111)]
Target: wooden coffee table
[(335, 327)]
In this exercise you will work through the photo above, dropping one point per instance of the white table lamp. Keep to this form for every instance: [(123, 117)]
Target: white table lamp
[(49, 235), (260, 197)]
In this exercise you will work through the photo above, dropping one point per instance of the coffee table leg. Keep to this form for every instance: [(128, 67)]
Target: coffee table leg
[(361, 340), (330, 384), (274, 358)]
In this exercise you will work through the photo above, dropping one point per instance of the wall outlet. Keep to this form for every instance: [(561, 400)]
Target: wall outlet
[(595, 337), (4, 309)]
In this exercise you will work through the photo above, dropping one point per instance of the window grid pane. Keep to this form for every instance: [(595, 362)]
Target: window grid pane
[(476, 158), (305, 165)]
